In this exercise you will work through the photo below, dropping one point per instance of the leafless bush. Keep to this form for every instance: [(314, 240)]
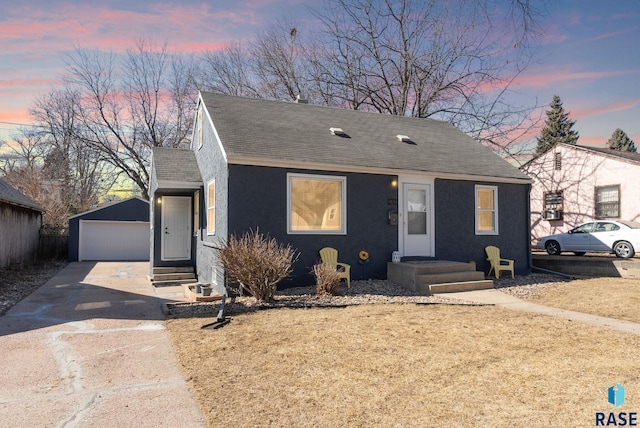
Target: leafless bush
[(257, 262), (327, 279)]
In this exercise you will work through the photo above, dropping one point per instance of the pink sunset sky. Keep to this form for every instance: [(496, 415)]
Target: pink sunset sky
[(589, 51)]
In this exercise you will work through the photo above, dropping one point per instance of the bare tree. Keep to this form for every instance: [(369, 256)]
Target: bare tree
[(125, 109), (450, 60), (446, 60), (229, 71), (280, 63), (23, 169)]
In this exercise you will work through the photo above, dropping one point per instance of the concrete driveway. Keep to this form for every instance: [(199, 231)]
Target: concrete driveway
[(89, 349)]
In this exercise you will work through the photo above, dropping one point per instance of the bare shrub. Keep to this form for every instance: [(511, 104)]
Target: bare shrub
[(327, 279), (257, 262)]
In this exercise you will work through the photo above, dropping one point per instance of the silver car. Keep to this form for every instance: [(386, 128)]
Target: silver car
[(618, 237)]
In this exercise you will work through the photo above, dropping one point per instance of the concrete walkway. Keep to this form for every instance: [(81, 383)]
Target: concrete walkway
[(89, 349), (498, 298)]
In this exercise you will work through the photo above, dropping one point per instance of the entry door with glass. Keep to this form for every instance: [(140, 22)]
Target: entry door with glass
[(416, 220)]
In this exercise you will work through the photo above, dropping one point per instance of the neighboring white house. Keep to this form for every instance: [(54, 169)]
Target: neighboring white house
[(575, 184)]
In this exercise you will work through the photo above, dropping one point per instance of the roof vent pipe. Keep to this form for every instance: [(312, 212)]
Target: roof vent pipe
[(337, 131), (403, 138), (301, 100)]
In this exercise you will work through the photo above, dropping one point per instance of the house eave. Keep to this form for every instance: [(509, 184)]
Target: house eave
[(276, 163), (107, 206), (182, 185), (21, 205)]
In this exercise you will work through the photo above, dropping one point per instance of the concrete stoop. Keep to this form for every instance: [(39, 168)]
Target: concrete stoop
[(437, 276), (172, 276)]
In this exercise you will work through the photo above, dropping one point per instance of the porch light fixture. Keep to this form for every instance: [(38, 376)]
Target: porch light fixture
[(394, 182), (403, 138), (159, 200), (337, 131)]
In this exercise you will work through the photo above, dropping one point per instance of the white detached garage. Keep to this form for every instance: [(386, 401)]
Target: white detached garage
[(119, 231)]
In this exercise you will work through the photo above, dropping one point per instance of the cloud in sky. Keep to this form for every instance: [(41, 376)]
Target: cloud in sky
[(103, 27), (576, 42), (606, 109), (552, 75)]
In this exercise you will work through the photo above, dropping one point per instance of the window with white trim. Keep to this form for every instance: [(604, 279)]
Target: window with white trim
[(211, 208), (316, 204), (486, 210), (608, 202), (196, 213)]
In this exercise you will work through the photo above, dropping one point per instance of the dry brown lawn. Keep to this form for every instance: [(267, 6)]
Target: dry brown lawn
[(607, 297), (405, 365)]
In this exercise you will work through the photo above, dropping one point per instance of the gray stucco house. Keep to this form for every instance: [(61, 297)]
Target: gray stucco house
[(317, 176), (20, 222)]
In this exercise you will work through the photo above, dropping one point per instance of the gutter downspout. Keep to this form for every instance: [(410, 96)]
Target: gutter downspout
[(531, 266)]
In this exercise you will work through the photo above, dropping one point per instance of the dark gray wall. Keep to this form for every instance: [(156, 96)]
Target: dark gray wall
[(455, 224), (213, 165), (133, 209), (258, 199)]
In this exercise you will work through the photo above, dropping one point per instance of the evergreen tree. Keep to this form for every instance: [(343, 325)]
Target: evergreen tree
[(621, 141), (557, 128)]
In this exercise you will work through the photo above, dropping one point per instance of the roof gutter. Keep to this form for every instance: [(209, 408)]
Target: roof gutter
[(531, 266)]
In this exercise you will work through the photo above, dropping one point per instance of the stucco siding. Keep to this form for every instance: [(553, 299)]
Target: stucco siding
[(212, 166), (580, 172), (456, 238), (259, 201), (19, 234)]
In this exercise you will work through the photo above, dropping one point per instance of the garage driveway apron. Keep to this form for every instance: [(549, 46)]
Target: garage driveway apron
[(89, 349)]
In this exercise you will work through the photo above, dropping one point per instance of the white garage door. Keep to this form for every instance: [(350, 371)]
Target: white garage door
[(113, 240)]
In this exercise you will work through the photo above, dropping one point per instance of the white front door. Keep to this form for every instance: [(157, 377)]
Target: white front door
[(176, 227), (416, 221)]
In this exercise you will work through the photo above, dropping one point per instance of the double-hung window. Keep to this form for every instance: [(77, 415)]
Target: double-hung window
[(486, 210), (316, 204), (608, 202)]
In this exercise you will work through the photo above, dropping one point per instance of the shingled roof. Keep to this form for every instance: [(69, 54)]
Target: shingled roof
[(257, 130), (10, 195), (617, 154), (175, 165), (630, 156)]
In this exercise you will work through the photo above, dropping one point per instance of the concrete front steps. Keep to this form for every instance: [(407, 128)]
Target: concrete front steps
[(172, 276), (437, 276)]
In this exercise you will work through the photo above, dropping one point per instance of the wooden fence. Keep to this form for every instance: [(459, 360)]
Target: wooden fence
[(54, 243)]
